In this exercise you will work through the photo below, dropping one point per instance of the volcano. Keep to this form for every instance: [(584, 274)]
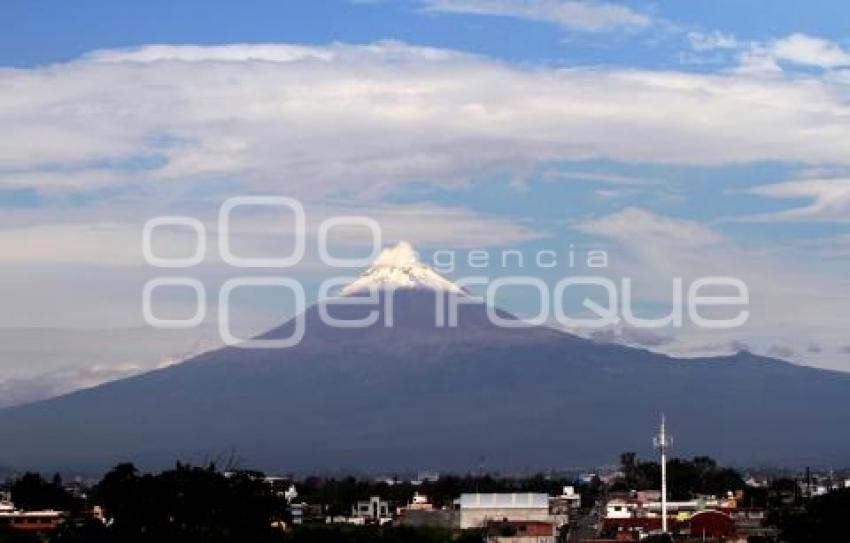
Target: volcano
[(415, 395)]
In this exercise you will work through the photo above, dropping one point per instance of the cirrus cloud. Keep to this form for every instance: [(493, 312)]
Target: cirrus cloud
[(829, 200), (581, 15)]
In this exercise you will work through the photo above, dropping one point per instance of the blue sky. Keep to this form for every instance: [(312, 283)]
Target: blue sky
[(53, 31), (685, 138)]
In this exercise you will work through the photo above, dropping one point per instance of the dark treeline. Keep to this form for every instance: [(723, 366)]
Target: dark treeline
[(190, 504), (340, 494), (32, 492), (685, 478), (187, 504), (820, 519)]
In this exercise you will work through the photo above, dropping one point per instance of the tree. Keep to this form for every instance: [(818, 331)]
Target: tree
[(685, 478), (32, 492), (187, 504), (824, 519)]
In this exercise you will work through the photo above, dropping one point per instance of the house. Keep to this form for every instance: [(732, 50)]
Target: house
[(568, 502), (30, 521), (638, 514), (565, 506), (420, 502), (619, 508), (372, 511), (306, 513), (422, 513), (520, 532), (751, 522), (712, 525)]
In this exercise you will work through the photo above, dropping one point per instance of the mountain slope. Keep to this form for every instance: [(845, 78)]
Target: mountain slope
[(416, 396)]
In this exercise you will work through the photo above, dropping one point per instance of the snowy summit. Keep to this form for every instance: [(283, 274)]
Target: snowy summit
[(399, 267)]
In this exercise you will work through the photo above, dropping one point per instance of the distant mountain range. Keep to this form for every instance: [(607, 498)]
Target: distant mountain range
[(417, 396)]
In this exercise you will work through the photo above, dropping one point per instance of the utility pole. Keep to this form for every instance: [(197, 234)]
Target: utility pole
[(663, 442)]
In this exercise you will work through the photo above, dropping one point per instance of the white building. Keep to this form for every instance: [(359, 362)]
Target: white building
[(477, 510), (569, 500), (420, 502), (563, 506), (372, 510), (620, 509)]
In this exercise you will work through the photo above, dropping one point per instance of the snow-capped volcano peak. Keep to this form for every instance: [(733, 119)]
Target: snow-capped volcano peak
[(399, 267)]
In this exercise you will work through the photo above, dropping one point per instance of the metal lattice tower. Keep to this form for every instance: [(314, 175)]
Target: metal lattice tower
[(663, 441)]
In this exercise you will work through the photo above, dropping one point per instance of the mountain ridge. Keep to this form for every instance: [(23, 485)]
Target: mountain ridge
[(419, 396)]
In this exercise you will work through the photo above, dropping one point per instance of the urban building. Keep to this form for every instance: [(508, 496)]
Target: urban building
[(477, 510), (30, 521), (372, 511)]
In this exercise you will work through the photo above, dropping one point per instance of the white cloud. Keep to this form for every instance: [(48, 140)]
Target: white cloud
[(803, 49), (795, 49), (99, 243), (363, 120), (830, 200), (790, 304), (62, 360), (359, 121), (25, 390), (552, 175), (641, 226), (433, 226), (118, 240), (585, 15), (711, 41)]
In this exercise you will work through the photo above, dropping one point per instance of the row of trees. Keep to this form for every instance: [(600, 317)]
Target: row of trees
[(685, 478), (201, 504), (32, 492), (339, 494), (189, 504), (186, 504), (821, 519)]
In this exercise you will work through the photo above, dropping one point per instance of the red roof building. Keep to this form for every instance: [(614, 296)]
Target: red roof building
[(712, 525)]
